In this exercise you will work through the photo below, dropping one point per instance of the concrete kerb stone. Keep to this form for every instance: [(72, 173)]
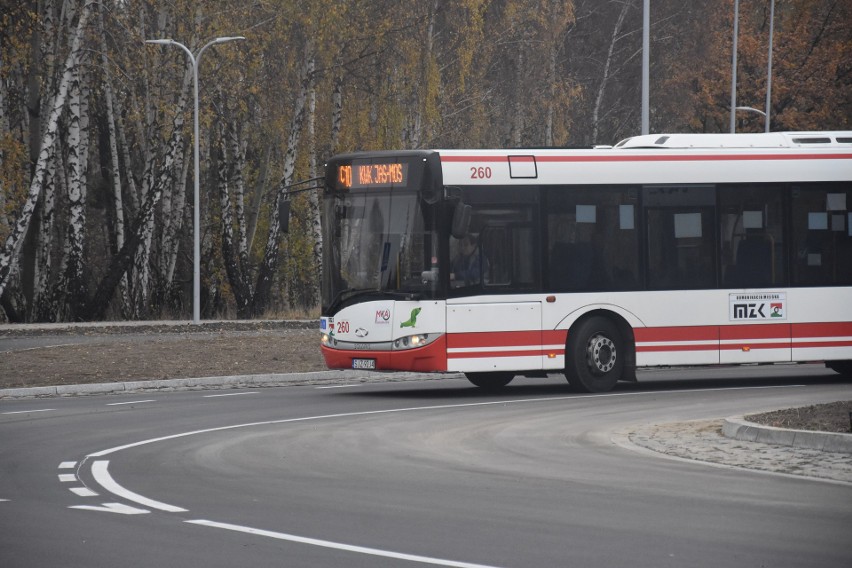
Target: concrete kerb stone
[(238, 381), (738, 428)]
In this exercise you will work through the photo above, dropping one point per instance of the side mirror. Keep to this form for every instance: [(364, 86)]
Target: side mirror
[(461, 220)]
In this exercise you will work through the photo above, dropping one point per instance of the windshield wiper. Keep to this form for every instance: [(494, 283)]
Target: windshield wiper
[(339, 299)]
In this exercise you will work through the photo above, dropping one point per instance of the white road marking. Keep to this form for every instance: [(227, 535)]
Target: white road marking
[(339, 546), (67, 465), (67, 477), (131, 402), (415, 409), (99, 468), (229, 394), (83, 491), (102, 476), (30, 411), (112, 508), (338, 387)]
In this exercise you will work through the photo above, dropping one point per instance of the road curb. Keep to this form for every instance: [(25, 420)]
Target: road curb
[(234, 381), (738, 428)]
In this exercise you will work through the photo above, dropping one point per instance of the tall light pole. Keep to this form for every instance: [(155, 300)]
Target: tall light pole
[(734, 68), (769, 65), (646, 64), (734, 107), (196, 218)]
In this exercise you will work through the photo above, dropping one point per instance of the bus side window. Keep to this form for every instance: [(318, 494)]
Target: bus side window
[(593, 242), (681, 234), (822, 236), (752, 235)]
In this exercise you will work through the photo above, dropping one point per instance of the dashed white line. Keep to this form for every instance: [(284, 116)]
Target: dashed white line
[(338, 545), (30, 411), (229, 394), (67, 465), (83, 492), (130, 402), (120, 508), (67, 477)]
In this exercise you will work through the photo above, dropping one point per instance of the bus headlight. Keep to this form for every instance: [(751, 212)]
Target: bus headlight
[(414, 341)]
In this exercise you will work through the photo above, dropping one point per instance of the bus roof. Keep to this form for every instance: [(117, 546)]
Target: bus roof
[(760, 140)]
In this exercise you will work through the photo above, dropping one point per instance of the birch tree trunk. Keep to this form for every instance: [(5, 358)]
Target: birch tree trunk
[(313, 195), (233, 254), (12, 247), (269, 264), (44, 308), (115, 171), (596, 110), (78, 157)]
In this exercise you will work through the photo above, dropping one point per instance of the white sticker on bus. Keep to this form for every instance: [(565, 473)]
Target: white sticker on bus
[(760, 306)]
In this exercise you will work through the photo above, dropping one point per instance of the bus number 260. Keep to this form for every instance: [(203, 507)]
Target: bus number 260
[(343, 327), (480, 172)]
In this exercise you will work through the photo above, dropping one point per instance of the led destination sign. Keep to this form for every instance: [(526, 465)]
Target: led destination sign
[(372, 175)]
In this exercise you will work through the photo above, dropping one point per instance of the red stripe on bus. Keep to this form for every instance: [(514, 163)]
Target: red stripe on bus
[(809, 344), (693, 347), (754, 346), (834, 329), (510, 353), (652, 158), (659, 334), (755, 331), (506, 338)]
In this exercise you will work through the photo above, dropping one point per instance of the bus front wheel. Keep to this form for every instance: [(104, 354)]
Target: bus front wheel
[(490, 381), (594, 357)]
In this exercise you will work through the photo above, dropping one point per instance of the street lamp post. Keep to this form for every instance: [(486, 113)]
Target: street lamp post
[(734, 107), (646, 64), (196, 218), (754, 110)]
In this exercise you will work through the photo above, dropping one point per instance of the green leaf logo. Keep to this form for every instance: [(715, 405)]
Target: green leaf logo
[(412, 321)]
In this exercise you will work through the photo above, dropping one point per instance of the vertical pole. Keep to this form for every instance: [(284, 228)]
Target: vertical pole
[(734, 68), (769, 66), (646, 63), (196, 213)]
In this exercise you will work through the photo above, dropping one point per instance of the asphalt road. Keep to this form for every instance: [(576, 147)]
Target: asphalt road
[(407, 474)]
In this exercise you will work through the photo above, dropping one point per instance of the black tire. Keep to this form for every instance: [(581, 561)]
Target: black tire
[(842, 367), (594, 355), (490, 381)]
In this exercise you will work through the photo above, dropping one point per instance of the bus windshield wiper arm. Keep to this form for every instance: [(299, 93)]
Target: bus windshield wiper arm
[(355, 292)]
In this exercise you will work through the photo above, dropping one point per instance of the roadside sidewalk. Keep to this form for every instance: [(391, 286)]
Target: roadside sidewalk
[(706, 441)]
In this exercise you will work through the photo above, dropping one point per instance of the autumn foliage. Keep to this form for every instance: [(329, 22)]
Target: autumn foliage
[(96, 169)]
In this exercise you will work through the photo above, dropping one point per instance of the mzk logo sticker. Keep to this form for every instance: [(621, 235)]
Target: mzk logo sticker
[(383, 316), (412, 321), (758, 307)]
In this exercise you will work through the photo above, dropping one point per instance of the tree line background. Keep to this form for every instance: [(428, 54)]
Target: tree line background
[(96, 125)]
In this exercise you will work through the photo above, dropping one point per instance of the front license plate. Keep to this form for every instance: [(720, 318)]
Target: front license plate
[(364, 364)]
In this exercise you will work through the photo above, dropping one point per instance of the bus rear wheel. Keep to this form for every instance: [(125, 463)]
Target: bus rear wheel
[(594, 355), (490, 381)]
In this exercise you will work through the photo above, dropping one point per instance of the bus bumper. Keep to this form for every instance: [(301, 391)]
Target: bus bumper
[(430, 358)]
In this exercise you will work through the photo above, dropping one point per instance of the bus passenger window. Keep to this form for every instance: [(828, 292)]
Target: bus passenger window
[(681, 229), (592, 237), (822, 237), (752, 236)]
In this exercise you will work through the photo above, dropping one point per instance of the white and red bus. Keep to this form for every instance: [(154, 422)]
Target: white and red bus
[(682, 249)]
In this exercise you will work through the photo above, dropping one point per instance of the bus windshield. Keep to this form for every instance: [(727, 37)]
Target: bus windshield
[(378, 243)]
